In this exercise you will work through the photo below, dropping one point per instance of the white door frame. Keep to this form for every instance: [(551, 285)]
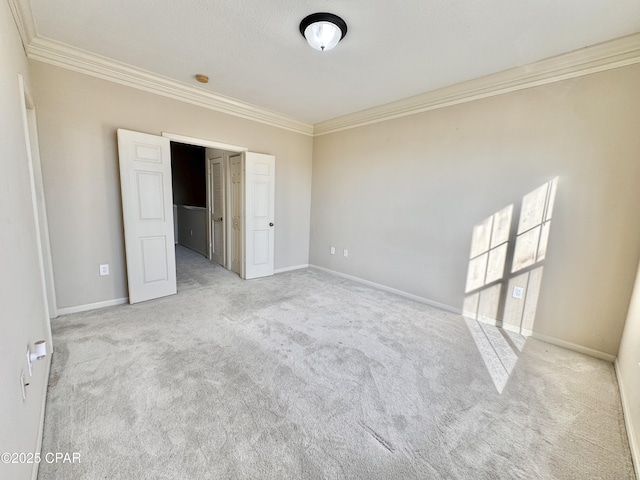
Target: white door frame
[(174, 137), (38, 202)]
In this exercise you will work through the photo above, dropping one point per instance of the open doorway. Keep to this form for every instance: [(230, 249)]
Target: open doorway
[(188, 167), (208, 202)]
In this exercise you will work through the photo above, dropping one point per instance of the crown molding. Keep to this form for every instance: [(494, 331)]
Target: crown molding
[(72, 58), (21, 10), (616, 53)]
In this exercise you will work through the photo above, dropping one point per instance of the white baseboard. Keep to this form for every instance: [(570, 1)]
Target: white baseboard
[(401, 293), (633, 443), (576, 348), (92, 306), (288, 269), (515, 329)]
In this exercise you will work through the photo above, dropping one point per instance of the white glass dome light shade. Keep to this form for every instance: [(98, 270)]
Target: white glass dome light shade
[(323, 36), (322, 30)]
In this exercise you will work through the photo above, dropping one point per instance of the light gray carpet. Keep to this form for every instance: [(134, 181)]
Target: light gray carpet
[(309, 376)]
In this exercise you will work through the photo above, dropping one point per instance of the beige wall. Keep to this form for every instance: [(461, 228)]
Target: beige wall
[(628, 369), (78, 117), (23, 319), (403, 197)]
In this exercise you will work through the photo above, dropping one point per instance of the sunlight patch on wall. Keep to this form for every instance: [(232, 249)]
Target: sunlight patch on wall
[(504, 278)]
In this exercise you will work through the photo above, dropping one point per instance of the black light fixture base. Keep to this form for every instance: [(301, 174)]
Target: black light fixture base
[(323, 17)]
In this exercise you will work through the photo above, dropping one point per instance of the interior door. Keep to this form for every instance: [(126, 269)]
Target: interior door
[(145, 181), (216, 210), (259, 214), (236, 197)]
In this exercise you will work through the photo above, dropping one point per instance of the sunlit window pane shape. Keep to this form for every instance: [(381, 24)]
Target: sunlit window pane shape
[(526, 249), (531, 300), (495, 265), (481, 237), (503, 349), (476, 273), (544, 239), (491, 360), (532, 211), (514, 307), (470, 306), (489, 304), (501, 226), (553, 185)]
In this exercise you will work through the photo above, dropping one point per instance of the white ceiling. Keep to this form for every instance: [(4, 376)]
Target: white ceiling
[(253, 50)]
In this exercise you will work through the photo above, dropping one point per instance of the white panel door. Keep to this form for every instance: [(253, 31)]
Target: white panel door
[(237, 250), (216, 210), (147, 207), (260, 179)]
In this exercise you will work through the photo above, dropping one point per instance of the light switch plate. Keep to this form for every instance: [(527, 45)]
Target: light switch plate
[(104, 269)]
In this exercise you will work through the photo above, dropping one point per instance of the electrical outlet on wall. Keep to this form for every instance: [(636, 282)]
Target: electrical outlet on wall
[(518, 292), (333, 250), (346, 252), (104, 269)]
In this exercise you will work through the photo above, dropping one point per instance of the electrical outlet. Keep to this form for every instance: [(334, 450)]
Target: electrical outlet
[(346, 252), (518, 292), (104, 269), (333, 250)]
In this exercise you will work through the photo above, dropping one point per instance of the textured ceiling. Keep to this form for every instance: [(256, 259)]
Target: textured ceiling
[(253, 51)]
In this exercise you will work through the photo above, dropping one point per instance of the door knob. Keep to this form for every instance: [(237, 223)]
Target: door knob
[(271, 224)]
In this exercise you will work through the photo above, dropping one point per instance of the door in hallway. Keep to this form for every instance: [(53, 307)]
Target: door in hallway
[(216, 209), (235, 165)]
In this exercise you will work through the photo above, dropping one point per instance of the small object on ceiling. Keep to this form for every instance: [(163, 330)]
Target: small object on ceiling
[(323, 31), (202, 78)]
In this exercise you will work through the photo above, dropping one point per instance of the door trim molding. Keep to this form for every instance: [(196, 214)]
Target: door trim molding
[(203, 142), (39, 211)]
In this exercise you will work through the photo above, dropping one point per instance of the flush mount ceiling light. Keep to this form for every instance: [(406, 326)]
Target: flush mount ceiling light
[(323, 31)]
